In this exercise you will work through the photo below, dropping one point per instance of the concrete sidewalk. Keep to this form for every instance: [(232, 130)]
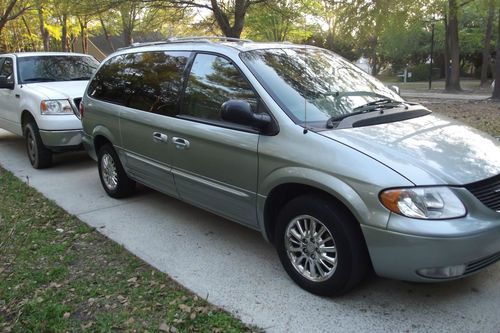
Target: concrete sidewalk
[(443, 95), (236, 269)]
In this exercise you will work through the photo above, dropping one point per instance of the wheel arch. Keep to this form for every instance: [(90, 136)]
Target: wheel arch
[(299, 181), (100, 136), (26, 116)]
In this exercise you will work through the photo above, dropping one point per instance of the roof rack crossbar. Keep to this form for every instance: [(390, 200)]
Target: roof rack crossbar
[(197, 39), (208, 38)]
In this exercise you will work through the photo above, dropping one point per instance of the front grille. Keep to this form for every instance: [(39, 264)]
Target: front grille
[(77, 102), (487, 191), (481, 263)]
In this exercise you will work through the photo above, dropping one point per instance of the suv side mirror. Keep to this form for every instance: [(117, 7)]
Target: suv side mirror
[(240, 112), (5, 83)]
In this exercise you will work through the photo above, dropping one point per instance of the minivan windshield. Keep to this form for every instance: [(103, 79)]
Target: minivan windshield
[(316, 85), (55, 68)]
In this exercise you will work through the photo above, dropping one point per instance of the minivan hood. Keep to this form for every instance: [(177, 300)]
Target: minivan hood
[(428, 150), (59, 90)]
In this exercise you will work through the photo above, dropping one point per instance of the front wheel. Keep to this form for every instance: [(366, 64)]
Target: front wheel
[(40, 156), (113, 177), (320, 245)]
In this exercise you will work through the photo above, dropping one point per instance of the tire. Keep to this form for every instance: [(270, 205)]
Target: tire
[(114, 180), (328, 269), (40, 156)]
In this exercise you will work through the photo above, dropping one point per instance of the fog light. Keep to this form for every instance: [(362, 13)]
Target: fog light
[(442, 272)]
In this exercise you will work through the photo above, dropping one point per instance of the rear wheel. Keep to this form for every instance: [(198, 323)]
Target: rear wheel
[(320, 245), (113, 177), (40, 156)]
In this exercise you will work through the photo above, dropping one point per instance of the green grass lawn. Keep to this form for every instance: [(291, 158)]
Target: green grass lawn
[(57, 275)]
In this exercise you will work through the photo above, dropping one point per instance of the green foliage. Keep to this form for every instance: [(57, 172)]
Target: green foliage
[(391, 33)]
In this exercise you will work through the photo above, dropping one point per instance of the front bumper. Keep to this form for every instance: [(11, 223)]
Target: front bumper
[(399, 256), (66, 139)]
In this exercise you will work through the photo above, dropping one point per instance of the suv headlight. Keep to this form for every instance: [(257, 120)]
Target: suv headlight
[(429, 203), (56, 106)]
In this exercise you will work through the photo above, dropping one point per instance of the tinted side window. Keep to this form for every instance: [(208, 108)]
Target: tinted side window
[(155, 81), (214, 80), (8, 69), (110, 82)]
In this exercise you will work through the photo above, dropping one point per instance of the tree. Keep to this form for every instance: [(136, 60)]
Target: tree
[(496, 89), (453, 48), (281, 20), (129, 14), (487, 43), (11, 12), (229, 14)]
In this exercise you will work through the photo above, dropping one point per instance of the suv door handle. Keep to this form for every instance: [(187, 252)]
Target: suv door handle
[(180, 143), (160, 137)]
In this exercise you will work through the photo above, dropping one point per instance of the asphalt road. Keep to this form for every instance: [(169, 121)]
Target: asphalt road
[(237, 270)]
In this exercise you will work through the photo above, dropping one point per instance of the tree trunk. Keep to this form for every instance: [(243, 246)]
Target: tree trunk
[(44, 32), (64, 33), (487, 43), (26, 25), (454, 51), (83, 35), (496, 90), (240, 9), (127, 36), (106, 34), (446, 52)]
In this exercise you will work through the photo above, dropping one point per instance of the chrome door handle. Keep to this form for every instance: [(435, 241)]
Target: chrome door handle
[(180, 143), (160, 137)]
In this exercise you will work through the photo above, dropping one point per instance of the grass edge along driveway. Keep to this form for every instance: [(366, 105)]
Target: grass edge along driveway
[(57, 274)]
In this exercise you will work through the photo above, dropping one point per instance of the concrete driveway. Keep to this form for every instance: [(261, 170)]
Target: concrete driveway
[(236, 269)]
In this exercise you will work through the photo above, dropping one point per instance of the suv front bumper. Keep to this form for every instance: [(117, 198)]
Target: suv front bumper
[(64, 140), (403, 256)]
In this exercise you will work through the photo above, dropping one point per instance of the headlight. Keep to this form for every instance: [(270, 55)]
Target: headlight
[(429, 203), (56, 106)]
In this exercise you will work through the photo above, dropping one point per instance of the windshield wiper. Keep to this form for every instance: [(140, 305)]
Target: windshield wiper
[(81, 78), (378, 105), (39, 79), (383, 102)]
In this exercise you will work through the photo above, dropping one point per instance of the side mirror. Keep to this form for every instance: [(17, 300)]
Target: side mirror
[(240, 112), (5, 83), (395, 89)]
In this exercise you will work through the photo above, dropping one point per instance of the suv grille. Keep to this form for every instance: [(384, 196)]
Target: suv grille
[(487, 191)]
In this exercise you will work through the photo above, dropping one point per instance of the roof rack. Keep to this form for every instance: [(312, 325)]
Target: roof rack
[(209, 38), (197, 39)]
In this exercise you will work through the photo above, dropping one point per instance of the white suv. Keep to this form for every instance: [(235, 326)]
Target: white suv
[(39, 98)]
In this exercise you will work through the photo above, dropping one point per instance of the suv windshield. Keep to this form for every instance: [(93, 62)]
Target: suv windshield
[(55, 68), (315, 85)]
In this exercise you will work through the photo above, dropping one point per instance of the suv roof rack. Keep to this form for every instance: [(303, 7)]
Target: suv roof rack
[(197, 39)]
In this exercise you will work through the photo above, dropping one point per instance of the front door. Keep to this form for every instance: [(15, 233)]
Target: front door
[(214, 162)]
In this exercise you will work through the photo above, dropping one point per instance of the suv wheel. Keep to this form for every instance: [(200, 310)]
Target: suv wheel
[(40, 156), (320, 246), (113, 177)]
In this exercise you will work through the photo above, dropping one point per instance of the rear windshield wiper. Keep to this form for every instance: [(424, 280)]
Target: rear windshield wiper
[(39, 79), (383, 103)]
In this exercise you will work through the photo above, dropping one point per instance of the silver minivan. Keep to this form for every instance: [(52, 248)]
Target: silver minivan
[(336, 170)]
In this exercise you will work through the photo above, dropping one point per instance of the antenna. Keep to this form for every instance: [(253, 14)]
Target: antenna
[(305, 92)]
